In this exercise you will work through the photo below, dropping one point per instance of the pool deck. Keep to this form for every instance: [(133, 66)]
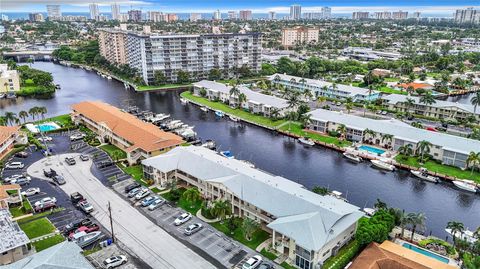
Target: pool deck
[(419, 257), (34, 127), (387, 156)]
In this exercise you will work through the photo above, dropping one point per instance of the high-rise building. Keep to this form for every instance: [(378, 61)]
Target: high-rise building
[(416, 15), (4, 17), (272, 15), (245, 15), (135, 15), (94, 11), (468, 15), (53, 11), (112, 44), (36, 17), (299, 35), (295, 12), (312, 15), (195, 17), (171, 17), (115, 11), (326, 13), (359, 15), (217, 15), (156, 16), (385, 15), (232, 15), (400, 15)]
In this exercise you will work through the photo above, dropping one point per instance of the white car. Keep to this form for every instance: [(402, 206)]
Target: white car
[(30, 191), (12, 177), (144, 192), (45, 139), (76, 137), (253, 262), (182, 219), (46, 200), (14, 165), (21, 180), (115, 261), (85, 206), (156, 204), (191, 229)]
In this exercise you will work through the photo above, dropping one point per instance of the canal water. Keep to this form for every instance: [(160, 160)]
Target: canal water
[(277, 154)]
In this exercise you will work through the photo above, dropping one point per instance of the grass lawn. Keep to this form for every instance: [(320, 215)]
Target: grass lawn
[(287, 266), (268, 254), (62, 120), (391, 79), (343, 257), (39, 215), (20, 211), (49, 242), (386, 89), (37, 228), (182, 203), (245, 115), (166, 86), (296, 128), (135, 171), (156, 190), (434, 166), (110, 149), (258, 237)]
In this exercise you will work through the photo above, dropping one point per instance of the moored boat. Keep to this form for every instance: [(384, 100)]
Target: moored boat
[(466, 185), (233, 118), (466, 235), (422, 173), (227, 154), (209, 144), (383, 165), (219, 113), (183, 101), (369, 211), (352, 157), (89, 239), (306, 141), (204, 109)]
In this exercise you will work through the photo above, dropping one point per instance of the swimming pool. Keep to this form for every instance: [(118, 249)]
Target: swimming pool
[(43, 127), (372, 149), (426, 253), (46, 127)]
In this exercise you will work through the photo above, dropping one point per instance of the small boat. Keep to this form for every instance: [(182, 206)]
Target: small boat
[(306, 141), (227, 154), (338, 195), (183, 101), (209, 144), (466, 185), (88, 239), (2, 95), (251, 165), (423, 174), (233, 118), (109, 77), (88, 68), (369, 211), (352, 157), (204, 109), (219, 114), (383, 165), (466, 235)]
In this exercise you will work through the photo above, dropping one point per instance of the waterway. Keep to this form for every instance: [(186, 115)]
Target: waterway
[(276, 154)]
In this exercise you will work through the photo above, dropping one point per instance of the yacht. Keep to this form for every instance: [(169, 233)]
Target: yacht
[(88, 239), (209, 144), (306, 141), (369, 211), (183, 101), (227, 154), (219, 113), (204, 109), (338, 195), (466, 185), (109, 77), (422, 173), (352, 157), (466, 235), (383, 165), (233, 118)]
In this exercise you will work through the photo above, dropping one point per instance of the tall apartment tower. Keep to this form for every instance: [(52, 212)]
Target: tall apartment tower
[(299, 35), (232, 15), (135, 15), (272, 15), (385, 15), (112, 44), (245, 15), (468, 15), (195, 17), (359, 15), (36, 17), (400, 15), (53, 11), (326, 13), (217, 15), (295, 12), (115, 11), (94, 11)]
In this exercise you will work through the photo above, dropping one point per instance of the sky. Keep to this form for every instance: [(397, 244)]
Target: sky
[(446, 7)]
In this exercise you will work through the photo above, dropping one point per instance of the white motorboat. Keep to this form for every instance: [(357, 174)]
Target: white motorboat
[(422, 173), (383, 165), (204, 109), (338, 195), (466, 235), (109, 77), (369, 211), (352, 157), (219, 114), (209, 144), (88, 239), (233, 118), (306, 141), (466, 185), (251, 165), (183, 101), (227, 154)]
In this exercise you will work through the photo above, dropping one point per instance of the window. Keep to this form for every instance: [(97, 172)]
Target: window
[(325, 253)]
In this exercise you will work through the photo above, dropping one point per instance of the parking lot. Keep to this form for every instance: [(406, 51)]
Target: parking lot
[(115, 249)]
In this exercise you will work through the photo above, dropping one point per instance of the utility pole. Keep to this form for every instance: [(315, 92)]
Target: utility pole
[(111, 221)]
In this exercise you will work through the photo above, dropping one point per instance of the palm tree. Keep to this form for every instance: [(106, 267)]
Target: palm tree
[(23, 115), (306, 118), (342, 129), (192, 195), (348, 107), (221, 209), (274, 113), (370, 133), (417, 220), (234, 91), (321, 99), (409, 102), (10, 117), (320, 190), (116, 155), (379, 204), (404, 221), (406, 150), (455, 227), (249, 226), (423, 147), (387, 137), (475, 101), (427, 99), (241, 98), (33, 112), (42, 111), (473, 160)]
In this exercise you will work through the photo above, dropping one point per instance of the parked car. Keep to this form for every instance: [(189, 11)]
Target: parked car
[(59, 179), (15, 165), (384, 112), (84, 158), (132, 186), (78, 223), (115, 261), (156, 204), (253, 262), (191, 229), (30, 191), (182, 219), (70, 160), (44, 207), (45, 139), (21, 154), (77, 136), (148, 201), (76, 197), (46, 200), (134, 192), (50, 173), (12, 177), (144, 192), (21, 181), (104, 164), (265, 265), (85, 206), (86, 229)]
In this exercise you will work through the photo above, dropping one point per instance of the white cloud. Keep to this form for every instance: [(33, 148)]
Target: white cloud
[(21, 5)]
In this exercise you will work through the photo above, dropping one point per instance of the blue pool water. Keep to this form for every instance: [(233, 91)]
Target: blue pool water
[(426, 253), (372, 149), (46, 127)]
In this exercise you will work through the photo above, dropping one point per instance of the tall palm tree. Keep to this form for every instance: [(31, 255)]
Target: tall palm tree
[(42, 111), (241, 98), (406, 150), (342, 129), (370, 133), (455, 227), (192, 195), (417, 220), (475, 101), (321, 99), (387, 137), (404, 221), (423, 147), (473, 160), (10, 117), (221, 209), (234, 91), (33, 112), (249, 226), (427, 99), (379, 204), (409, 103), (23, 115)]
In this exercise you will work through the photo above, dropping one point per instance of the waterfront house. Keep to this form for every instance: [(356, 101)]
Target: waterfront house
[(9, 136), (256, 102), (449, 149), (305, 227), (439, 110), (140, 140), (13, 243), (324, 88), (415, 86)]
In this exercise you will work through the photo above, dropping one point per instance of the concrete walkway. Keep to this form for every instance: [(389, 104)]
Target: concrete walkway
[(45, 236), (264, 244), (200, 216)]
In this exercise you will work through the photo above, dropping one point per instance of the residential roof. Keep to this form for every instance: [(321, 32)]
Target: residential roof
[(251, 95), (399, 130), (139, 134), (6, 132), (308, 218), (5, 188), (10, 233), (389, 255), (399, 98), (66, 255), (415, 85)]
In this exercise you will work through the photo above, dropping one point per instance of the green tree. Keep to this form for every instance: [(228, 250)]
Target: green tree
[(406, 150), (427, 99), (320, 190), (23, 115), (221, 209), (422, 148), (33, 112), (214, 74), (10, 117), (342, 129), (183, 77), (475, 101), (192, 195), (379, 204), (249, 227), (159, 78), (455, 227), (473, 160), (417, 221), (42, 111)]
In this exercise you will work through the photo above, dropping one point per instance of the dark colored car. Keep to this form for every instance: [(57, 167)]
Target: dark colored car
[(70, 161), (104, 164), (44, 207), (21, 154), (76, 197), (50, 173), (132, 186), (76, 224)]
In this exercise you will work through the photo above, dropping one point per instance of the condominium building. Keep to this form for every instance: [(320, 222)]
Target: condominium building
[(156, 16), (14, 242), (400, 15), (326, 13), (299, 35), (9, 79), (94, 11), (112, 44), (9, 137), (385, 15), (245, 15), (324, 88), (53, 11), (469, 15), (171, 17), (448, 149), (295, 12), (217, 15), (305, 227), (416, 15), (195, 17), (312, 15), (255, 102), (115, 11), (232, 15), (36, 17), (360, 15), (439, 110), (135, 15), (368, 54), (272, 15), (140, 140)]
